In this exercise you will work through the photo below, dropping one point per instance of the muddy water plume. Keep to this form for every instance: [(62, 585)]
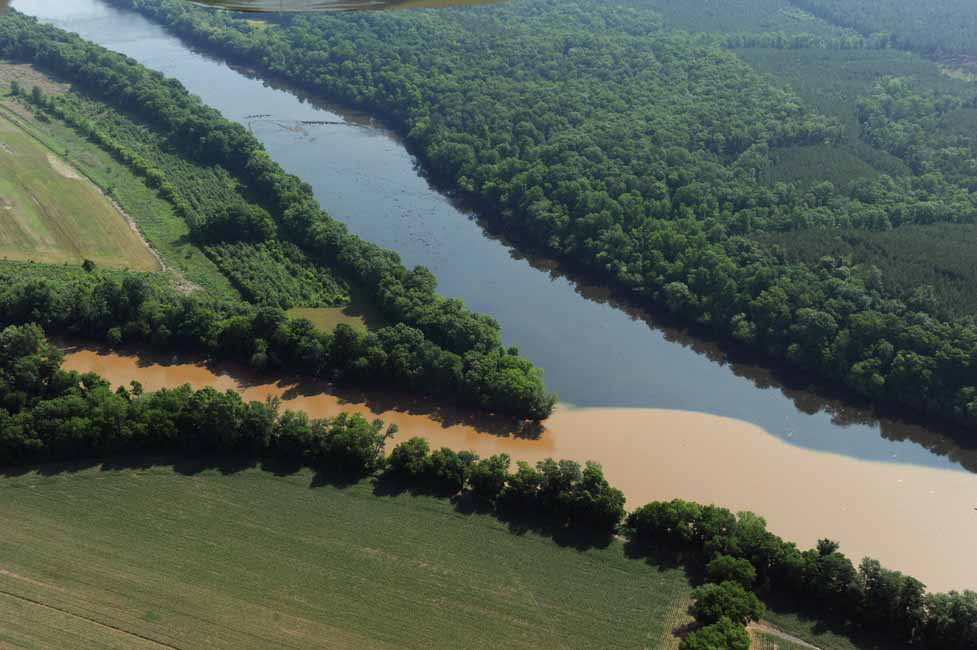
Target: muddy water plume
[(919, 520)]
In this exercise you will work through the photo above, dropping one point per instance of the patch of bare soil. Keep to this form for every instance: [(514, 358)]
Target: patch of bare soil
[(62, 167), (28, 77), (18, 109)]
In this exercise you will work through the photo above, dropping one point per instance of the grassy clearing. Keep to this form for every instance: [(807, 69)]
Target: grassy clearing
[(28, 77), (359, 314), (165, 231), (327, 318), (109, 558), (51, 214)]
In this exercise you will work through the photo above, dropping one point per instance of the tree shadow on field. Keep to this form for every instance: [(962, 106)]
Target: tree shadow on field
[(52, 468), (336, 478), (820, 622), (183, 464), (579, 538), (666, 559), (518, 523), (188, 464)]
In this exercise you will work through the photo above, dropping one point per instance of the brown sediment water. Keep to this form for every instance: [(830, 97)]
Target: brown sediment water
[(919, 520)]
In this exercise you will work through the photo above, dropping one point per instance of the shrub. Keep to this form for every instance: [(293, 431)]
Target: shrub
[(410, 459), (729, 600), (488, 476), (725, 568)]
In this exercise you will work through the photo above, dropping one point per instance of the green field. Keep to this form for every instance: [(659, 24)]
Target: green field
[(358, 314), (52, 214), (168, 234), (327, 318), (151, 558)]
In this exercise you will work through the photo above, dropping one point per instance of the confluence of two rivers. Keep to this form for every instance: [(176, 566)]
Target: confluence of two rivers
[(666, 415)]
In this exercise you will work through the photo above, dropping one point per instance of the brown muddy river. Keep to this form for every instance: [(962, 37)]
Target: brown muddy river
[(667, 414), (920, 520)]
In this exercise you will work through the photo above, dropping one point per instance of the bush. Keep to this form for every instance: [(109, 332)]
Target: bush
[(410, 459), (488, 477), (725, 568), (450, 469), (728, 600)]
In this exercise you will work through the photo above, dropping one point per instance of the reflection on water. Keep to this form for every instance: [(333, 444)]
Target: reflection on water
[(330, 5), (919, 520)]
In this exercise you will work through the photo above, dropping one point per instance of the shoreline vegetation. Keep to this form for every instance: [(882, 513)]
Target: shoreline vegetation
[(50, 414), (684, 243), (879, 345), (431, 346)]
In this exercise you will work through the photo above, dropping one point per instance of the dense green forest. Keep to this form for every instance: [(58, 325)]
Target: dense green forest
[(267, 233), (780, 17), (47, 413), (652, 157), (933, 26), (938, 27)]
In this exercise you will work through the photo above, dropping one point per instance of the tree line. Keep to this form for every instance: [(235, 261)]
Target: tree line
[(132, 311), (638, 154), (888, 603), (437, 343), (48, 413)]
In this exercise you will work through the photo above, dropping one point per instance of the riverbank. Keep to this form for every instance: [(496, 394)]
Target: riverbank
[(619, 359), (914, 519)]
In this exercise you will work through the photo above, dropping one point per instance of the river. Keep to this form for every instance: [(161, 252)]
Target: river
[(644, 392)]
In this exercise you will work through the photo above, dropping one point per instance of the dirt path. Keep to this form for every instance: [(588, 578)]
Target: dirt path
[(766, 628)]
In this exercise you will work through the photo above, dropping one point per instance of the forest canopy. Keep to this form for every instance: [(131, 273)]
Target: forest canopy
[(643, 153)]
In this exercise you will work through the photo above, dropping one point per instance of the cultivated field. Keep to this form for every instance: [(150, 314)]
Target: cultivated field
[(152, 558), (51, 214)]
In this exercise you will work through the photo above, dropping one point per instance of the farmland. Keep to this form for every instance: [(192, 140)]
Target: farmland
[(54, 215), (687, 170), (152, 557)]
